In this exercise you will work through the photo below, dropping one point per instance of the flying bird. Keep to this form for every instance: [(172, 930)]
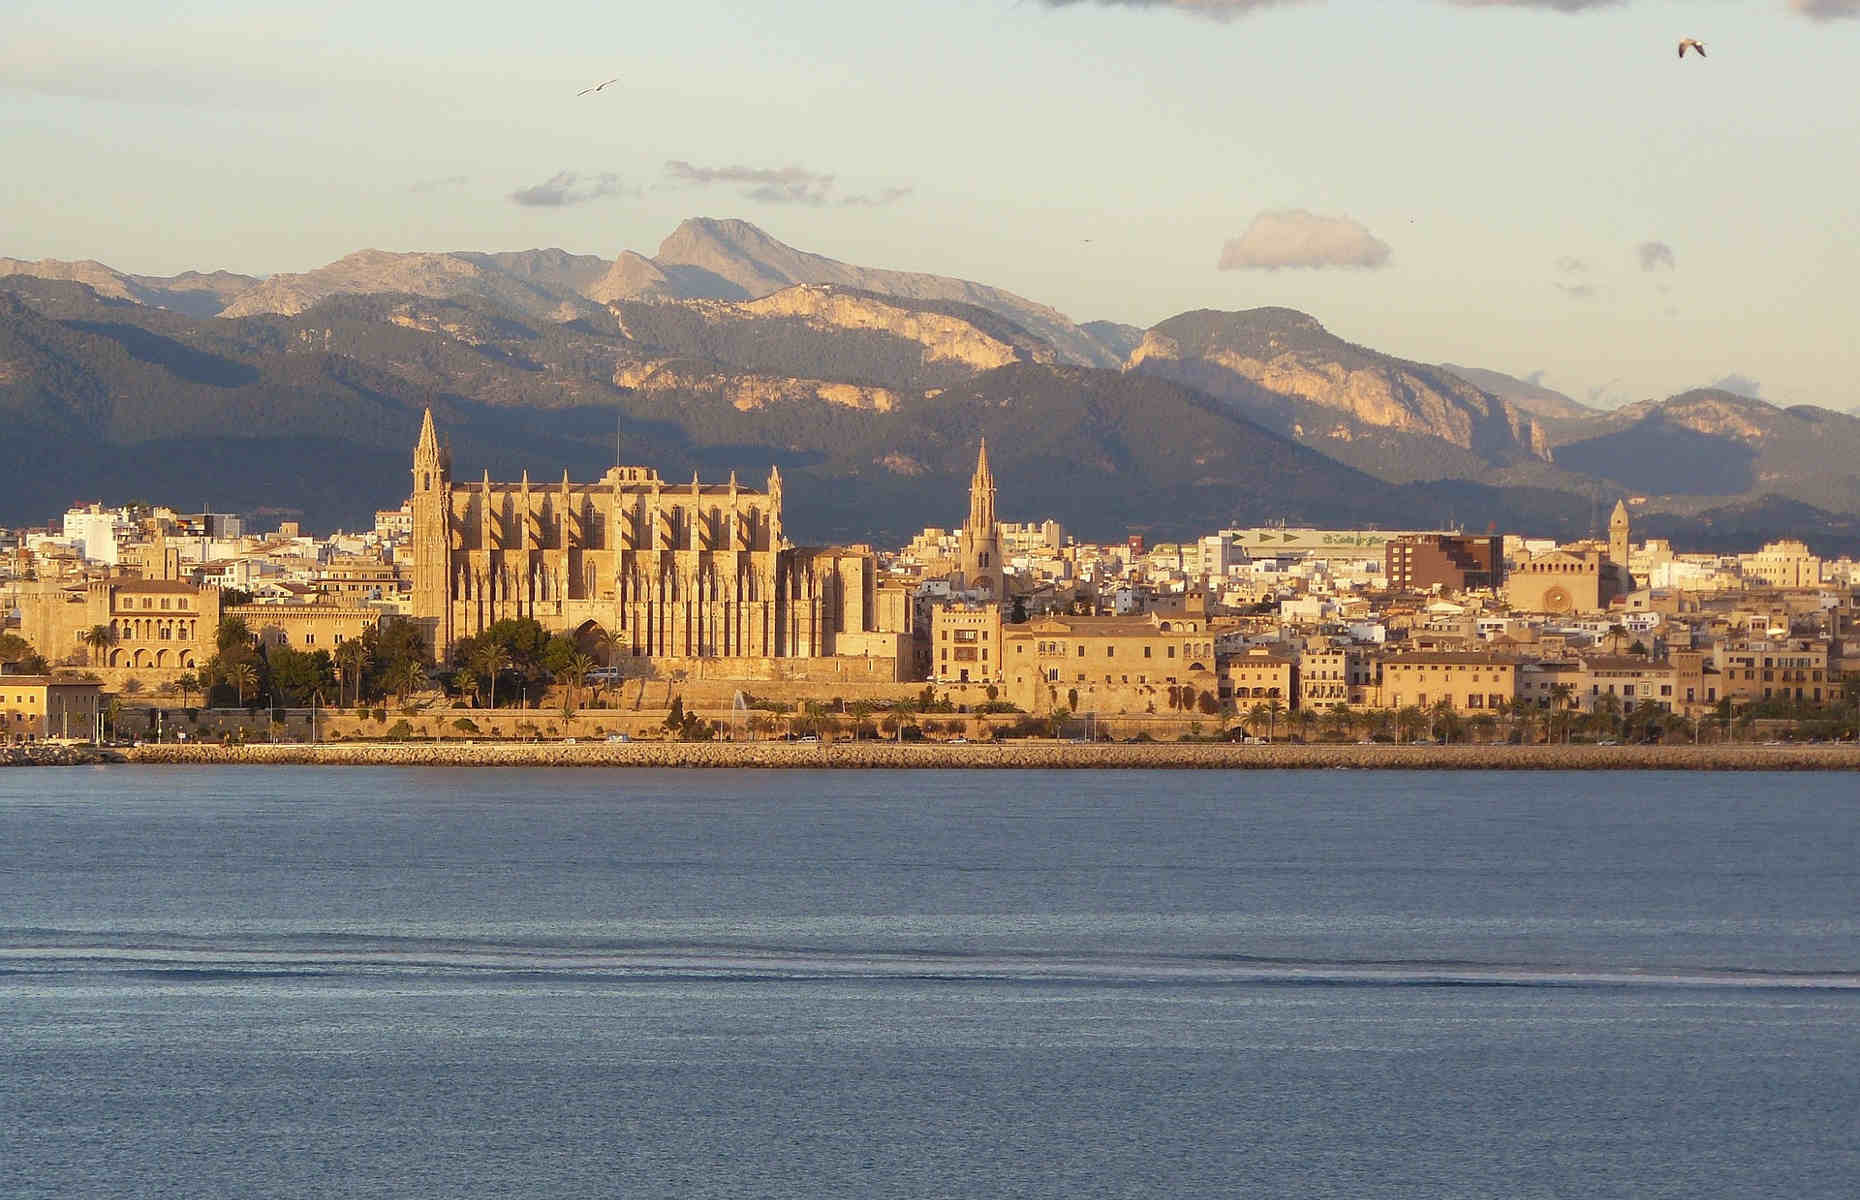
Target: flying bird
[(1692, 44), (616, 79)]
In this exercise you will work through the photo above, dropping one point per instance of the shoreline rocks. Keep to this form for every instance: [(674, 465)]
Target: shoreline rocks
[(1017, 755)]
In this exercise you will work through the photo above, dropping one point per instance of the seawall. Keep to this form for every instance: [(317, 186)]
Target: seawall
[(1035, 755)]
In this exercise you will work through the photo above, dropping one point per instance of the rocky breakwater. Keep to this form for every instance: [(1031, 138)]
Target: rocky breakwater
[(45, 754), (1018, 755)]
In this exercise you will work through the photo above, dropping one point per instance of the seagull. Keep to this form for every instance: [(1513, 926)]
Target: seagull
[(616, 79), (1691, 43)]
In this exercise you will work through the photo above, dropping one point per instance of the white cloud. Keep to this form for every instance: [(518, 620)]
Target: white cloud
[(565, 188), (1221, 10), (781, 185), (1825, 10), (1292, 237)]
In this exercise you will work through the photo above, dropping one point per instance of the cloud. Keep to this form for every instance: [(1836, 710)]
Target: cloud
[(1292, 237), (1572, 266), (440, 184), (780, 185), (1743, 385), (771, 185), (1825, 10), (1220, 10), (1656, 255), (1577, 291), (1554, 5), (565, 188), (878, 199)]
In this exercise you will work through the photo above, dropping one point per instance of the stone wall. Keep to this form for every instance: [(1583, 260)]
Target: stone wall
[(1045, 755)]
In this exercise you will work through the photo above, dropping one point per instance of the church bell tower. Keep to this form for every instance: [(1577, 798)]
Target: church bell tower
[(979, 560), (432, 535)]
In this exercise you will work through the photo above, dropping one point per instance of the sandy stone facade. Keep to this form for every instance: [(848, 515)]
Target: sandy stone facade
[(645, 568)]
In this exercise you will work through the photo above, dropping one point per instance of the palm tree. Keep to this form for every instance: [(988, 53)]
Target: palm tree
[(187, 684), (1608, 708), (1338, 719), (1441, 720), (97, 639), (491, 660), (352, 656), (1275, 708), (608, 642), (232, 631), (576, 672), (1562, 699), (1304, 720), (1257, 716), (242, 676), (411, 677), (464, 681), (1409, 722)]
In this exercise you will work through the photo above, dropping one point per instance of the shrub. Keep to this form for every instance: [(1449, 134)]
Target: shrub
[(380, 715), (465, 725), (400, 731)]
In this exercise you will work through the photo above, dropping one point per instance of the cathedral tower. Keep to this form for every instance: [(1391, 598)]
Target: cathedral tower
[(978, 554), (432, 533)]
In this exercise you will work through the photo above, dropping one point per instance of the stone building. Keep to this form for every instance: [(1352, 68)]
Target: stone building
[(1115, 664), (641, 568), (36, 707), (1586, 577), (1470, 682)]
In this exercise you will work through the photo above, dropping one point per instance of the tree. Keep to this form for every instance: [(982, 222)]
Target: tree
[(296, 675), (1304, 720), (232, 633), (1275, 708), (18, 651), (1338, 719), (1443, 721), (577, 669), (411, 677), (242, 675), (97, 640), (1208, 704), (1409, 722), (1258, 717), (187, 683), (353, 657), (490, 661), (465, 683), (608, 643), (1017, 615), (675, 717), (1608, 710)]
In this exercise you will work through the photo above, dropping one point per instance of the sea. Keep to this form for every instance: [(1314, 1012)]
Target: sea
[(348, 982)]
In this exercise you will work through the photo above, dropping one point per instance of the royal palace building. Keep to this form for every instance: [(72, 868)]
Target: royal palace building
[(644, 568)]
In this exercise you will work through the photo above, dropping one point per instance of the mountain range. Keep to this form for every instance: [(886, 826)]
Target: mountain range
[(728, 350)]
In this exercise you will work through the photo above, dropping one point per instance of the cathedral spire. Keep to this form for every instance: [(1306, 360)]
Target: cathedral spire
[(982, 494)]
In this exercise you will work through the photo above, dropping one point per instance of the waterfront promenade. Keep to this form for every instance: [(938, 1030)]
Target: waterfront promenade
[(1036, 755)]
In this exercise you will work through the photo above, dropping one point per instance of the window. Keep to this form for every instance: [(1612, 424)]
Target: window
[(1146, 651), (309, 639), (1110, 651)]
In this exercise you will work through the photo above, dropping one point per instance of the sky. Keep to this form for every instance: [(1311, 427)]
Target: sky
[(1541, 188)]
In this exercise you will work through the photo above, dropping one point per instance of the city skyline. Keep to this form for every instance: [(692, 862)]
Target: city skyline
[(1520, 188)]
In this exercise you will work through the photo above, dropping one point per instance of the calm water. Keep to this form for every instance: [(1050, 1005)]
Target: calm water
[(243, 982)]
